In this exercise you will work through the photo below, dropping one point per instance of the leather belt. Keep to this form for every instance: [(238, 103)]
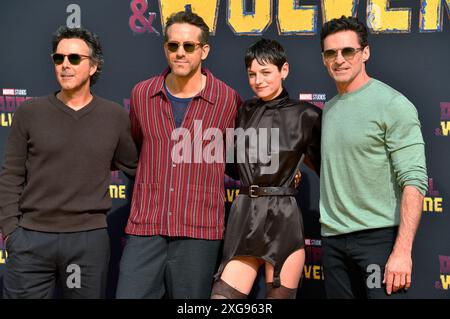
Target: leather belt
[(254, 191)]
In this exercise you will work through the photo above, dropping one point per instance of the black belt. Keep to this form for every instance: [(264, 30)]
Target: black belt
[(256, 191)]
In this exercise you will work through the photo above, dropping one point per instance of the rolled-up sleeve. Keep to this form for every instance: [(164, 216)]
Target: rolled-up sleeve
[(405, 144)]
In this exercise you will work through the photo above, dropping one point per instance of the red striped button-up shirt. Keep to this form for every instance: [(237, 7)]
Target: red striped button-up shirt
[(172, 198)]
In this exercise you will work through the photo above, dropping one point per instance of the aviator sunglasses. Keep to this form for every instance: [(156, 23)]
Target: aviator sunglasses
[(74, 58), (189, 46), (347, 53)]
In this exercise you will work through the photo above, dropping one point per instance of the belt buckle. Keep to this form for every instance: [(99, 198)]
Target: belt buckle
[(252, 191)]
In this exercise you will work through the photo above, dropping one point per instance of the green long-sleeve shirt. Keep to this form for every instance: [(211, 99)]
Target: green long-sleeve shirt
[(372, 147)]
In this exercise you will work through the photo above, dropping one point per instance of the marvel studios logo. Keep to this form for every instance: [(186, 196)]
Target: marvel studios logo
[(312, 97), (15, 92)]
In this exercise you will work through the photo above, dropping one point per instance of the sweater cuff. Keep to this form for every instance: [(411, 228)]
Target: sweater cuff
[(420, 187), (9, 225)]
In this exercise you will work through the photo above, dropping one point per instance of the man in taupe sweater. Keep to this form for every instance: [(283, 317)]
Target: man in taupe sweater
[(54, 180)]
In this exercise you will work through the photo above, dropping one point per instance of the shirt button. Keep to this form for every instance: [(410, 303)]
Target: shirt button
[(171, 189), (173, 165)]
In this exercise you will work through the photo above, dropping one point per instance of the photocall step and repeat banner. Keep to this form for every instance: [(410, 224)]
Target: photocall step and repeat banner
[(410, 51)]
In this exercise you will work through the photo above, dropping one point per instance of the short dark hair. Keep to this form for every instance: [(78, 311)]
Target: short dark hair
[(189, 18), (345, 24), (91, 39), (266, 51)]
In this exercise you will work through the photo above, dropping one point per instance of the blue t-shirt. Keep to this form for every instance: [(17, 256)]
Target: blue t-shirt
[(179, 107)]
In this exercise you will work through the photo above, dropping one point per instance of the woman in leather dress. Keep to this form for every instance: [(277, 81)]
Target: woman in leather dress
[(265, 225)]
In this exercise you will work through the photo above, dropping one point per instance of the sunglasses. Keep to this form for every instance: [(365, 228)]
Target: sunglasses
[(347, 53), (188, 47), (74, 58)]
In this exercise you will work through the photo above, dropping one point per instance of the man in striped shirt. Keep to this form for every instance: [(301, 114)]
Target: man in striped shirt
[(177, 212)]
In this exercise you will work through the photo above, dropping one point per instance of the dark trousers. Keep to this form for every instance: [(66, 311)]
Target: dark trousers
[(354, 264), (158, 266), (38, 262)]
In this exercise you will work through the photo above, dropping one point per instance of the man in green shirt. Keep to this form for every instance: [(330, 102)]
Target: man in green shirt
[(373, 173)]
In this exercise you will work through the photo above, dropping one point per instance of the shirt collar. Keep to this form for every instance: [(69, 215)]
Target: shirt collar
[(277, 101), (208, 93)]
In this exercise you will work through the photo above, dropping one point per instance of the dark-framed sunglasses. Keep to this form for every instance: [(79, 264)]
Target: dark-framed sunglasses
[(188, 46), (74, 58), (347, 53)]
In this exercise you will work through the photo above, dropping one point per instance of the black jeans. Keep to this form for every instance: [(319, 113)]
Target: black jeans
[(158, 266), (37, 261), (354, 264)]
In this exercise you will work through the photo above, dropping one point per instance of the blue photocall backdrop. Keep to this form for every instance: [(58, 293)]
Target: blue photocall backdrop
[(410, 50)]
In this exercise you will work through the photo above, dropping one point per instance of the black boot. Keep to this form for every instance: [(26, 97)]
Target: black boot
[(280, 292), (222, 290)]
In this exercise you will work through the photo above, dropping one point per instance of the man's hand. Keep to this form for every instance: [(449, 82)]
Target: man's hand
[(297, 179), (397, 273)]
